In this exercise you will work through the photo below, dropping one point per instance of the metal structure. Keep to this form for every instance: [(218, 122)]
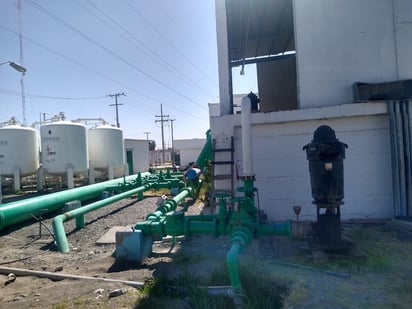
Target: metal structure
[(241, 222)]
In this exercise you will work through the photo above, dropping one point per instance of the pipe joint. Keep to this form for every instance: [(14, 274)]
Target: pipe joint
[(242, 236)]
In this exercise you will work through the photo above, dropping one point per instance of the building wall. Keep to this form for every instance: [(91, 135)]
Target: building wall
[(277, 85), (403, 30), (282, 170), (340, 42), (140, 149), (189, 149)]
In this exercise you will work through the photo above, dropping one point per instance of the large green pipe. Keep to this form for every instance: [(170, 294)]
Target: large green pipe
[(169, 205), (206, 153), (58, 227), (20, 211), (241, 237)]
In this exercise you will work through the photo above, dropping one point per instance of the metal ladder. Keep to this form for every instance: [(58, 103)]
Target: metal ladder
[(228, 160)]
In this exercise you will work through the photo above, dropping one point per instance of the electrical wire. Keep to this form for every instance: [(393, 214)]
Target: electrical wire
[(152, 54), (168, 42), (16, 93), (110, 52), (103, 76)]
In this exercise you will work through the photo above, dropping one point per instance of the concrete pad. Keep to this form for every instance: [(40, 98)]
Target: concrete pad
[(110, 236)]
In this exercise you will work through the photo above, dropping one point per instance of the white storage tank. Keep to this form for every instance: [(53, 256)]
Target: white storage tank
[(63, 146), (106, 147), (19, 148)]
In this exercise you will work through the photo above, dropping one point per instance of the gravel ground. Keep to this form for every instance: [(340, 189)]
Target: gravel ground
[(21, 247), (387, 286)]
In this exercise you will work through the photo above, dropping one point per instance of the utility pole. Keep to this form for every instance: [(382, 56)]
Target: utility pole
[(147, 135), (173, 147), (117, 105), (23, 97), (163, 118)]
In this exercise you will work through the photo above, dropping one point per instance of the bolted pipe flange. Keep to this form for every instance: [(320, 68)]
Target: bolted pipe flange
[(241, 235)]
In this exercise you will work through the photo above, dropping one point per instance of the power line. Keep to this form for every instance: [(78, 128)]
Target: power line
[(143, 47), (15, 93), (95, 72), (116, 95), (115, 55), (168, 42)]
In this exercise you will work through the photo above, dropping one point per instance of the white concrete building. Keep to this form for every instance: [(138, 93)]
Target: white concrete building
[(137, 155), (309, 55), (189, 149)]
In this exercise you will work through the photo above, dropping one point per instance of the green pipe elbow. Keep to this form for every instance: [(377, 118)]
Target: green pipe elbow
[(60, 234)]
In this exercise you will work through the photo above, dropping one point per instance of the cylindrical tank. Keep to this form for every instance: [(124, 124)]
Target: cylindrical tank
[(19, 148), (63, 146), (106, 147)]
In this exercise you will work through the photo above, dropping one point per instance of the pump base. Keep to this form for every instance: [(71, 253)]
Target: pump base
[(132, 246)]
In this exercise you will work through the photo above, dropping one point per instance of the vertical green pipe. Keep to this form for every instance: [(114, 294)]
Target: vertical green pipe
[(240, 238), (233, 267)]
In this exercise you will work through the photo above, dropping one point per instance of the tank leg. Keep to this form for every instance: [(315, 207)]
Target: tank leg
[(16, 176)]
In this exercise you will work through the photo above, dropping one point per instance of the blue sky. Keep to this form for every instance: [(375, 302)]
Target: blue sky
[(77, 52)]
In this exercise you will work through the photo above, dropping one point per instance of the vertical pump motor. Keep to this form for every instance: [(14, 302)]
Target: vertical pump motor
[(325, 154)]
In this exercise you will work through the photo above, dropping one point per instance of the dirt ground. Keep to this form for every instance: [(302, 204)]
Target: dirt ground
[(385, 281)]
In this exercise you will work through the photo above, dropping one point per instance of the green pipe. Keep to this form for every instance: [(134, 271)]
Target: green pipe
[(203, 227), (20, 211), (206, 153), (233, 267), (275, 228), (57, 223), (169, 205), (241, 237)]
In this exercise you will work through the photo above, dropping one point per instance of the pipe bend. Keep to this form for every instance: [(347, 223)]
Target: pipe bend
[(60, 234)]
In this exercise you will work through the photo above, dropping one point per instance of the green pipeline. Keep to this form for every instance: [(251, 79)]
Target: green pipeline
[(20, 211), (177, 224), (240, 238), (206, 153), (58, 227), (169, 205)]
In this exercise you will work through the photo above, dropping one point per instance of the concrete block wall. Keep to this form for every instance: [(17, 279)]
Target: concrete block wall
[(340, 42), (282, 170)]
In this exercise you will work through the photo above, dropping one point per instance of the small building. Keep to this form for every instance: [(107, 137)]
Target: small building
[(137, 155), (189, 149), (310, 57)]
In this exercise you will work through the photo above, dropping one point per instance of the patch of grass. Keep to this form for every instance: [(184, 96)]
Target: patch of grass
[(179, 293), (297, 295), (61, 305), (260, 291)]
